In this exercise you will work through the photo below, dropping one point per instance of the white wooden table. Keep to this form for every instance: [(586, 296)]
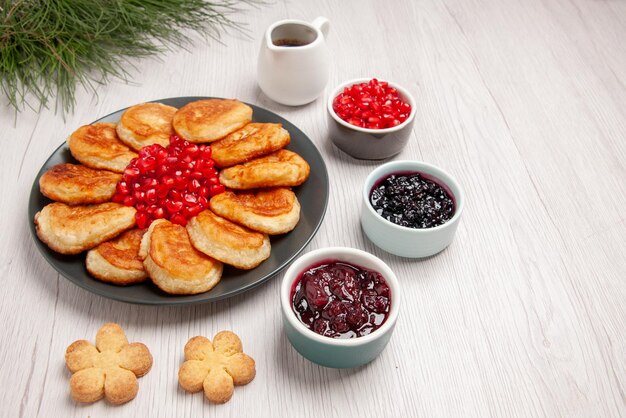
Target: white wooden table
[(523, 315)]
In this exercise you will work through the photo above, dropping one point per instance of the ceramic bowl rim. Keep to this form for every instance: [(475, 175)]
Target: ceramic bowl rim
[(403, 92), (308, 259), (391, 166)]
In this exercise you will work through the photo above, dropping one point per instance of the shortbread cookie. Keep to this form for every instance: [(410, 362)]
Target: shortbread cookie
[(110, 369), (215, 367)]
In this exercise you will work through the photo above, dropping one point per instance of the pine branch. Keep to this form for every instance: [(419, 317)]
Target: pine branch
[(49, 47)]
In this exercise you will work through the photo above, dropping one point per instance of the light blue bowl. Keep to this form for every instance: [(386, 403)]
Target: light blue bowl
[(400, 240), (333, 352)]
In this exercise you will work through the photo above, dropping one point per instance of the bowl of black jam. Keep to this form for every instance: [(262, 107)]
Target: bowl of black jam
[(411, 208)]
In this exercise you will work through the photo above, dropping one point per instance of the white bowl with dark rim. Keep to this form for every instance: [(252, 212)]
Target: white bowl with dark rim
[(334, 352), (364, 143), (401, 240)]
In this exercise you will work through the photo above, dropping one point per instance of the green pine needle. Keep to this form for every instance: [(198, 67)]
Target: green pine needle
[(48, 47)]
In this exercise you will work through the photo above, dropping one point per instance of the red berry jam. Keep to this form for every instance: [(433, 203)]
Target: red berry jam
[(175, 182), (413, 200), (340, 300), (372, 105)]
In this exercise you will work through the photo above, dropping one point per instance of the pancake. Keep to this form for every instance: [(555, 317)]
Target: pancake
[(252, 141), (76, 184), (271, 211), (97, 146), (117, 261), (228, 242), (210, 120), (173, 264), (281, 168), (73, 229), (146, 124)]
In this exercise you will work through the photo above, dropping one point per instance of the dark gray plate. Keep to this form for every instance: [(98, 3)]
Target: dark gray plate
[(313, 197)]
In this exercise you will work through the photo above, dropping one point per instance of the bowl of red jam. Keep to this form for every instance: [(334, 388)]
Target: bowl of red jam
[(340, 306), (370, 119), (411, 208)]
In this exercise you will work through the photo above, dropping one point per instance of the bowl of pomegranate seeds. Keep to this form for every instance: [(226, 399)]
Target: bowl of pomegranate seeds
[(370, 119), (340, 306), (411, 208)]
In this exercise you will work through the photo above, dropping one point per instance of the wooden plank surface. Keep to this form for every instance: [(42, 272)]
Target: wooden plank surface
[(523, 315)]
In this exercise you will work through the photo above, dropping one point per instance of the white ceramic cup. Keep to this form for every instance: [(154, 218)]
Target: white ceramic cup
[(401, 240), (293, 65)]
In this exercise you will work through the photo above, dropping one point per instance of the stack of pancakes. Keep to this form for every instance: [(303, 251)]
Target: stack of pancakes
[(256, 169)]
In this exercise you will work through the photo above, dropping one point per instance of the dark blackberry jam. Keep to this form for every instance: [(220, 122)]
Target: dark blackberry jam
[(412, 200), (340, 300)]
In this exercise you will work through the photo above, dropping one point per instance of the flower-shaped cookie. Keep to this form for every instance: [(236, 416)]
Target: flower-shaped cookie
[(109, 369), (216, 366)]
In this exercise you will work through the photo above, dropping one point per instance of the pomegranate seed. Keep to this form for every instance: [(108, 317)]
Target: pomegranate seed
[(175, 195), (139, 195), (216, 189), (209, 172), (129, 201), (180, 182), (187, 212), (179, 219), (131, 172), (194, 185), (203, 191), (173, 206), (149, 182), (162, 191), (147, 164), (167, 180), (122, 187), (142, 219), (162, 155), (162, 170), (151, 195), (118, 198), (158, 213)]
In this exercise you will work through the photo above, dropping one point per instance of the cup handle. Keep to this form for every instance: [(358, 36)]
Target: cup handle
[(322, 24)]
